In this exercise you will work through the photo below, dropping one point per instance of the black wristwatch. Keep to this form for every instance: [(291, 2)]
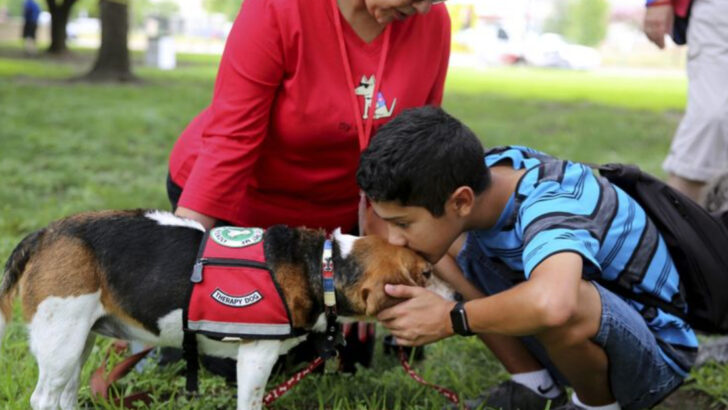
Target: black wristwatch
[(460, 320)]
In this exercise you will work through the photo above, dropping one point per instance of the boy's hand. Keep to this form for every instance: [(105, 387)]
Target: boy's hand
[(424, 317)]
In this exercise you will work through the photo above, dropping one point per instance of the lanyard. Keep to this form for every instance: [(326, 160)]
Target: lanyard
[(363, 131)]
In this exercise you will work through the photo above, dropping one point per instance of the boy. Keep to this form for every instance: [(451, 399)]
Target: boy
[(542, 234)]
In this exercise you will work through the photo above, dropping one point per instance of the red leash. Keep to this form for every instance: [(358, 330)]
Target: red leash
[(288, 385), (449, 394), (101, 382)]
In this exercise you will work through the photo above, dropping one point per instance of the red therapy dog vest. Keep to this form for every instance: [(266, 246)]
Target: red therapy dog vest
[(234, 294)]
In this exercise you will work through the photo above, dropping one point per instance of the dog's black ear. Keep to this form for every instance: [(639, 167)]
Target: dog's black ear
[(280, 234), (281, 244)]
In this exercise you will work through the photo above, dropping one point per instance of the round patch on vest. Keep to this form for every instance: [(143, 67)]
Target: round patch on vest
[(234, 237)]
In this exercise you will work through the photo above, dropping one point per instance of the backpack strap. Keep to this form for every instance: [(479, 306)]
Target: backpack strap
[(627, 175), (644, 298)]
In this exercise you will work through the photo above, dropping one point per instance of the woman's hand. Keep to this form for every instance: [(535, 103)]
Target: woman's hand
[(207, 221)]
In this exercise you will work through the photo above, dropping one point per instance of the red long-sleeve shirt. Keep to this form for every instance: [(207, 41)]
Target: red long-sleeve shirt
[(279, 142)]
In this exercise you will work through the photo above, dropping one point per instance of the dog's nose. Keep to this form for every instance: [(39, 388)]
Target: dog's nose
[(427, 273)]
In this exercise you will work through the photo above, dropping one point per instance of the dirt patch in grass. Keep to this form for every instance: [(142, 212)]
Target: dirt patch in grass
[(690, 399)]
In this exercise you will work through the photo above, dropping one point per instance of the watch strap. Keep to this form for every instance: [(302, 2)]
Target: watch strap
[(459, 320)]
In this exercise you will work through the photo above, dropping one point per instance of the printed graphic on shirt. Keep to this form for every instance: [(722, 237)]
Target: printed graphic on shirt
[(234, 237), (366, 90)]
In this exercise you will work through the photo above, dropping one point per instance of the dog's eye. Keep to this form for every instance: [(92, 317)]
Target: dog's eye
[(427, 274)]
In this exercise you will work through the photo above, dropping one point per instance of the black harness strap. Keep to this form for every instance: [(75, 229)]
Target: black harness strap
[(189, 350), (189, 340)]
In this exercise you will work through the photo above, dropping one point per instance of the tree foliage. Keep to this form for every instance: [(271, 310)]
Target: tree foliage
[(14, 7), (141, 9), (581, 21), (88, 8), (229, 8)]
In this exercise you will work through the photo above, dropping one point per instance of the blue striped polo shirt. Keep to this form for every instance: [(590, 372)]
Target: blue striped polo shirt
[(562, 206)]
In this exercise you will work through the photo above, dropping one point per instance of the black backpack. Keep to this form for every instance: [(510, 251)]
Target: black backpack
[(696, 240)]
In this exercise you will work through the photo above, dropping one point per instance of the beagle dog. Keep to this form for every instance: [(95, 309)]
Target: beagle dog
[(126, 275)]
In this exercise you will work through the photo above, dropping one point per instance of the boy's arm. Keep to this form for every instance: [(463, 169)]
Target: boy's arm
[(548, 299)]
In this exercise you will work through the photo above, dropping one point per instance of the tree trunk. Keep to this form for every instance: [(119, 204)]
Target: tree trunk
[(59, 20), (112, 62)]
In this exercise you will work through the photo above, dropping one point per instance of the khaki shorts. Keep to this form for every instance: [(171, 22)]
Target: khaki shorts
[(699, 150)]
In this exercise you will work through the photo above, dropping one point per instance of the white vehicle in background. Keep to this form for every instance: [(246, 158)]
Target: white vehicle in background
[(551, 50), (83, 27), (491, 44)]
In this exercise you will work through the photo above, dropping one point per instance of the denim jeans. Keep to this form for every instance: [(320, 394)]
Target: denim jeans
[(639, 376)]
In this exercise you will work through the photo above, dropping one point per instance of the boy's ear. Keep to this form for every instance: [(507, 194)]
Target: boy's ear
[(462, 200)]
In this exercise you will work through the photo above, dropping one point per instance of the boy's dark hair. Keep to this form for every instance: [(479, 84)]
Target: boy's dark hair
[(420, 158)]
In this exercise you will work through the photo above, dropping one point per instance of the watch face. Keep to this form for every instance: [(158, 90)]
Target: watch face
[(458, 319), (463, 326)]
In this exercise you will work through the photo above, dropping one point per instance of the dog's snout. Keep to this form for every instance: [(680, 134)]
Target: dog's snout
[(427, 273)]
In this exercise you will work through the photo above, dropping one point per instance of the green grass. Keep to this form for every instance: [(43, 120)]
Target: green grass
[(646, 91), (68, 147)]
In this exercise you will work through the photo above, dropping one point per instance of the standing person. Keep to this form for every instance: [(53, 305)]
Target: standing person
[(700, 146), (545, 239), (301, 87), (31, 12)]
